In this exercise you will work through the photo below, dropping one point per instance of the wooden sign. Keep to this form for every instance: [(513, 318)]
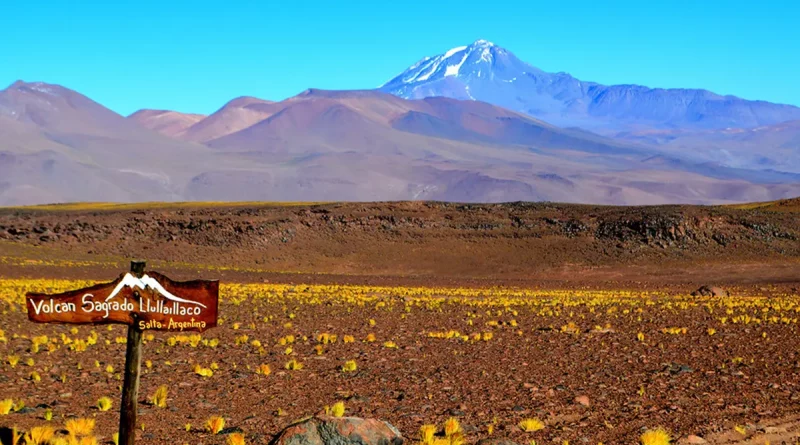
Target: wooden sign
[(150, 302), (141, 301)]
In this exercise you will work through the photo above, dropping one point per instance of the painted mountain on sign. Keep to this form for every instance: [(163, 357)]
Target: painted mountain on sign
[(486, 72)]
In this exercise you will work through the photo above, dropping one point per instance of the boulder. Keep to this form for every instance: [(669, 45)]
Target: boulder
[(326, 430), (710, 291)]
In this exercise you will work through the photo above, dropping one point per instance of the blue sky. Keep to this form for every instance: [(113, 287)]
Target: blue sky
[(195, 56)]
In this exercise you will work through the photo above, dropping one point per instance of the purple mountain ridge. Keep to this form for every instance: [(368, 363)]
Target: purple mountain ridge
[(486, 72)]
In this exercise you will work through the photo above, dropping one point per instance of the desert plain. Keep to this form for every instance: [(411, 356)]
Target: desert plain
[(579, 317)]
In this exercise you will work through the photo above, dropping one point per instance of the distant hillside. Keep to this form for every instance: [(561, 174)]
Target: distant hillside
[(770, 147), (57, 145), (168, 123)]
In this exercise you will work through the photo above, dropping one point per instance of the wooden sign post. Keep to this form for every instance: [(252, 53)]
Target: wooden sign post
[(142, 301)]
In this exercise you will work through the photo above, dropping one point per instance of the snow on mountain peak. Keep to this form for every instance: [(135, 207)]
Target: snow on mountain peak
[(452, 63), (455, 50)]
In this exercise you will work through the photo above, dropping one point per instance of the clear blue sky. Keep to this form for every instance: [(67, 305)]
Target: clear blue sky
[(194, 56)]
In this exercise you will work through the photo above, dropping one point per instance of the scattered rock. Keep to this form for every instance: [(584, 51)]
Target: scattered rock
[(582, 400), (676, 368), (710, 291), (692, 439), (325, 430), (231, 430), (775, 430)]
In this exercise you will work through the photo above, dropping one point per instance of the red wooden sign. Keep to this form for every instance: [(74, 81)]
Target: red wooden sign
[(150, 302)]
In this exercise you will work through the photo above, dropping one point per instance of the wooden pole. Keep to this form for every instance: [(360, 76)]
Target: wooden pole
[(133, 361)]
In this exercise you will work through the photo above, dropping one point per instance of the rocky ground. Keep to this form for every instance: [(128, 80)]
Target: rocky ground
[(567, 351)]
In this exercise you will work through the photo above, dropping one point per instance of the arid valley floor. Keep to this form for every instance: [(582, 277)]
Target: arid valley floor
[(579, 316)]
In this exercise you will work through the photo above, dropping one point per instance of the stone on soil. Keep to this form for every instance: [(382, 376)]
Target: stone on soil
[(326, 430)]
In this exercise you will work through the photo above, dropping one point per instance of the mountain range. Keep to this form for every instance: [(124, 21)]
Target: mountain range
[(486, 72), (438, 131)]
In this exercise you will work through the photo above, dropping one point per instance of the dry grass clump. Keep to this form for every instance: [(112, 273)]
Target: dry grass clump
[(531, 425), (215, 424), (236, 439), (658, 436), (39, 435), (159, 398), (104, 404), (80, 427), (6, 406), (293, 365), (349, 366)]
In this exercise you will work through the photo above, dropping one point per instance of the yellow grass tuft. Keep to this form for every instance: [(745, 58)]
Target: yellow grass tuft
[(531, 425), (337, 410), (88, 440), (39, 435), (80, 427), (451, 426), (263, 369), (203, 372), (658, 436), (236, 439), (159, 398), (293, 365), (104, 404), (426, 434), (456, 439), (349, 366), (6, 406), (215, 424)]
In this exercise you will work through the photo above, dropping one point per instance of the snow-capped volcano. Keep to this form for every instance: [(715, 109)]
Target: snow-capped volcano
[(486, 72), (458, 67)]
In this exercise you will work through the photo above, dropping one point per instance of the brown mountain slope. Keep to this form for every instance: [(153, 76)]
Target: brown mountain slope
[(773, 147), (235, 115), (58, 145), (54, 108), (447, 149), (168, 123)]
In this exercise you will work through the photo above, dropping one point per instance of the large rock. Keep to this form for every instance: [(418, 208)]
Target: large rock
[(325, 430), (710, 291)]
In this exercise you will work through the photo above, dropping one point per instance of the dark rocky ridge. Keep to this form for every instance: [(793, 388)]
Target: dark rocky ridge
[(414, 237)]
